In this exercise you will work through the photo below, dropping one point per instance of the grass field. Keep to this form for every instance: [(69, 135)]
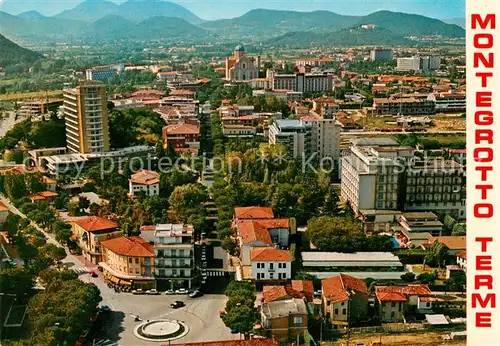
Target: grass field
[(30, 95)]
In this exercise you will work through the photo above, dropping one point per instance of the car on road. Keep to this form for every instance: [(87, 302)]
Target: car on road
[(177, 304), (181, 291), (169, 292), (105, 308), (152, 292), (222, 313), (138, 291), (196, 294), (93, 273)]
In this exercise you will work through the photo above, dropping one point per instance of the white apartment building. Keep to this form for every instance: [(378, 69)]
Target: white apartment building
[(369, 176), (270, 263), (174, 255), (417, 63), (301, 82), (294, 135), (144, 181)]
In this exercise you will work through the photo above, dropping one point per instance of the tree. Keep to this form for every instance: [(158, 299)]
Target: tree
[(240, 319), (62, 311), (186, 200), (332, 233), (14, 186), (16, 281), (408, 277), (53, 252), (427, 278), (436, 253), (49, 275)]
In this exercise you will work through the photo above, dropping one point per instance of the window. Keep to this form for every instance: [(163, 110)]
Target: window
[(271, 266), (130, 260), (393, 314), (297, 321), (393, 304), (428, 305), (260, 265), (336, 311), (137, 260), (271, 276), (137, 270), (344, 311)]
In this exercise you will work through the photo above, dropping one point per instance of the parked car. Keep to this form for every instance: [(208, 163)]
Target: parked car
[(152, 292), (317, 293), (177, 304), (105, 308), (181, 291), (169, 292), (138, 291), (196, 294), (93, 273), (222, 313)]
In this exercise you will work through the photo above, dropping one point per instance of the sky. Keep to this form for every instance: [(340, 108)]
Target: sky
[(218, 9)]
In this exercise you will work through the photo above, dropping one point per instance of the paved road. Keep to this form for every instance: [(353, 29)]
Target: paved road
[(8, 122), (200, 314)]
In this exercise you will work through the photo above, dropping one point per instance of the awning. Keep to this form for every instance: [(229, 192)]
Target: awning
[(113, 279)]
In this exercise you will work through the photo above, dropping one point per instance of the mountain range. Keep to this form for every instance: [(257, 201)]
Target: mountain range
[(95, 20), (13, 53)]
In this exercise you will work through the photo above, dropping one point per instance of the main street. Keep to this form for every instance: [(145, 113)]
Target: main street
[(199, 314)]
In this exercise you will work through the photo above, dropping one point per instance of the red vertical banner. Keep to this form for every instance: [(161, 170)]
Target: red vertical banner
[(483, 172)]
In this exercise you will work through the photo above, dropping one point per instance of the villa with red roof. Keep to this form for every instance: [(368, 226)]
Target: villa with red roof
[(269, 263), (391, 302), (257, 227), (182, 136), (344, 297), (144, 181), (90, 232)]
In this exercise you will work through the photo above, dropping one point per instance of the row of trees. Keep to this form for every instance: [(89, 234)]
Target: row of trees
[(240, 311)]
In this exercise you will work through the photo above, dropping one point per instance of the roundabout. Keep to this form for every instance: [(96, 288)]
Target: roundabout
[(161, 330)]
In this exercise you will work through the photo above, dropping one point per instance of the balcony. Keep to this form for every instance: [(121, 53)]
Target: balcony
[(170, 265), (174, 255)]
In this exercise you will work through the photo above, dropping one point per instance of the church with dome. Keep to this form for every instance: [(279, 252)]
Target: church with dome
[(240, 67)]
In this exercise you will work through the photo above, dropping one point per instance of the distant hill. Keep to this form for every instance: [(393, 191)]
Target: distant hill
[(457, 21), (110, 27), (353, 36), (133, 10), (31, 15), (90, 10), (40, 28), (14, 54), (266, 21), (411, 24), (166, 28), (273, 23)]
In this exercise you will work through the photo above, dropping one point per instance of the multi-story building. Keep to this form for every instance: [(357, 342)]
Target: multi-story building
[(448, 101), (370, 176), (103, 72), (403, 106), (379, 54), (89, 234), (269, 263), (391, 302), (284, 319), (174, 255), (144, 181), (240, 67), (392, 178), (301, 82), (128, 261), (182, 136), (294, 135), (86, 117), (437, 185), (344, 300), (418, 64), (313, 62), (34, 108)]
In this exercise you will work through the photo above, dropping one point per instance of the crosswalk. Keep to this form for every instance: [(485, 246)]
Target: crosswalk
[(80, 270), (106, 342)]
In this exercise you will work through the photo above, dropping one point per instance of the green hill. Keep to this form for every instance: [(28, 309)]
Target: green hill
[(353, 36), (14, 54), (166, 28)]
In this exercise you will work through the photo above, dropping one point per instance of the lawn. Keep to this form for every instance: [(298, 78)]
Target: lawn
[(30, 95)]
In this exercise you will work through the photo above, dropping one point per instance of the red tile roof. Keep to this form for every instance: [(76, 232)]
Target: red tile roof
[(96, 223), (274, 223), (272, 293), (48, 180), (335, 287), (390, 296), (251, 342), (451, 242), (426, 299), (129, 246), (462, 255), (3, 207), (253, 213), (145, 177), (409, 290), (304, 287), (270, 255), (181, 129), (251, 231)]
